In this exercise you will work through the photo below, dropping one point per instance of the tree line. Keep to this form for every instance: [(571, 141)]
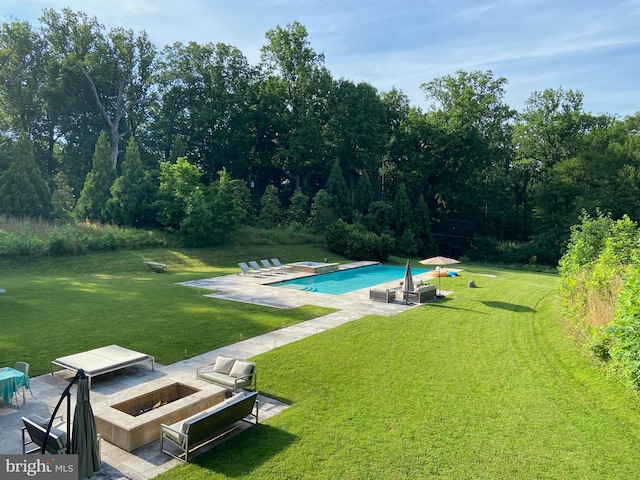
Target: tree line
[(100, 124)]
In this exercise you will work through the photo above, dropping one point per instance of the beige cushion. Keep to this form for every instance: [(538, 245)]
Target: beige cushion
[(241, 368), (223, 364), (425, 288)]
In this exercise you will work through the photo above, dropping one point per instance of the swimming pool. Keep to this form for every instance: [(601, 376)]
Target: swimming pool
[(344, 281)]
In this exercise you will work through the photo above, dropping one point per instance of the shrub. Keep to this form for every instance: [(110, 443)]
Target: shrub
[(354, 241)]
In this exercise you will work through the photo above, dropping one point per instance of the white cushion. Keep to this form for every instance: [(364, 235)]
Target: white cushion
[(241, 368), (223, 364)]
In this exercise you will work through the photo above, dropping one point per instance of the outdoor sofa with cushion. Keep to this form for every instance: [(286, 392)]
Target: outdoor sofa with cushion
[(379, 294), (230, 372), (422, 294), (191, 433)]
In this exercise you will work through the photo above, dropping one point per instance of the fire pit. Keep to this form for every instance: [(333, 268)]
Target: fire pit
[(134, 416), (155, 399)]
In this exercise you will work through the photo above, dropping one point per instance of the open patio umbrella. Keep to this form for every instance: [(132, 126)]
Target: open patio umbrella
[(408, 282), (439, 261), (84, 440)]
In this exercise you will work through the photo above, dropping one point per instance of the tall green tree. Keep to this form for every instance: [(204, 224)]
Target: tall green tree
[(132, 193), (23, 190), (117, 65), (207, 99), (270, 211), (356, 130), (63, 199), (178, 181), (469, 108), (227, 206), (92, 204), (338, 192), (298, 211), (296, 76)]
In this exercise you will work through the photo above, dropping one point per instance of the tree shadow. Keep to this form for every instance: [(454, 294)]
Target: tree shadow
[(447, 303), (509, 306)]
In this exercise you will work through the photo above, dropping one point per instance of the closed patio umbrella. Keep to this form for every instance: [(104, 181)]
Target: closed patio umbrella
[(408, 282), (84, 440), (439, 261)]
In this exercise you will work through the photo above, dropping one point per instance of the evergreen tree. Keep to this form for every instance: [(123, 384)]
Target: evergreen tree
[(177, 149), (339, 192), (196, 226), (363, 194), (402, 211), (270, 213), (132, 192), (298, 211), (23, 190), (63, 199), (322, 215), (227, 209), (96, 192), (177, 182), (422, 227)]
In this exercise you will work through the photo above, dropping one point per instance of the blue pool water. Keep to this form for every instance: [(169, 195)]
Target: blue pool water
[(337, 283)]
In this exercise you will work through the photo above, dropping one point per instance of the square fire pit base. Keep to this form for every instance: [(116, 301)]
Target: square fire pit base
[(133, 417)]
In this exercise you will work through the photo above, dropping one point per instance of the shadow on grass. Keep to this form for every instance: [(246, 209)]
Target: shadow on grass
[(241, 455), (509, 306), (447, 303)]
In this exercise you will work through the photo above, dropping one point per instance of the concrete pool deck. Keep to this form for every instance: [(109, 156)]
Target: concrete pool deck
[(148, 461)]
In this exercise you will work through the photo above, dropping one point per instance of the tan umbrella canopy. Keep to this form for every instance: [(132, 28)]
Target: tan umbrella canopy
[(439, 261)]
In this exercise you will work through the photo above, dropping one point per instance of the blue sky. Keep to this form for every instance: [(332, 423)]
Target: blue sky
[(587, 45)]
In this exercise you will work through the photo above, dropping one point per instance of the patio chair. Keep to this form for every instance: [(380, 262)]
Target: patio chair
[(259, 269), (277, 263), (265, 263), (246, 270), (24, 368)]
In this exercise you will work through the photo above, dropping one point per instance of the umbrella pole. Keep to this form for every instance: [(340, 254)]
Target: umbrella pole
[(66, 393)]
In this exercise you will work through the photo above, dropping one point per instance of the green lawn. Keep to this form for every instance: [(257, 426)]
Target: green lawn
[(58, 306), (483, 385)]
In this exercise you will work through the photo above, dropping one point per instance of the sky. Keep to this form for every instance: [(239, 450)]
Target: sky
[(592, 46)]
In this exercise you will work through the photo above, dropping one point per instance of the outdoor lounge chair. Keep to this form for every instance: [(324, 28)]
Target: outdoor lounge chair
[(246, 270), (277, 263), (265, 263), (259, 269)]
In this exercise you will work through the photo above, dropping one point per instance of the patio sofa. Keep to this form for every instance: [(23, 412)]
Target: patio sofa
[(230, 372), (424, 293), (385, 295), (184, 437)]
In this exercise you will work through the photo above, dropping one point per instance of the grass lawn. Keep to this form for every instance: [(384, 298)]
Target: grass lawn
[(482, 385), (58, 306)]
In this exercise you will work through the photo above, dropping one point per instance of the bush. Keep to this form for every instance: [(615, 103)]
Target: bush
[(355, 242)]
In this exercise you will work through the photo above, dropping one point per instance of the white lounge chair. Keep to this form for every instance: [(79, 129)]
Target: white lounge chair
[(246, 270), (277, 263), (259, 269), (265, 263)]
